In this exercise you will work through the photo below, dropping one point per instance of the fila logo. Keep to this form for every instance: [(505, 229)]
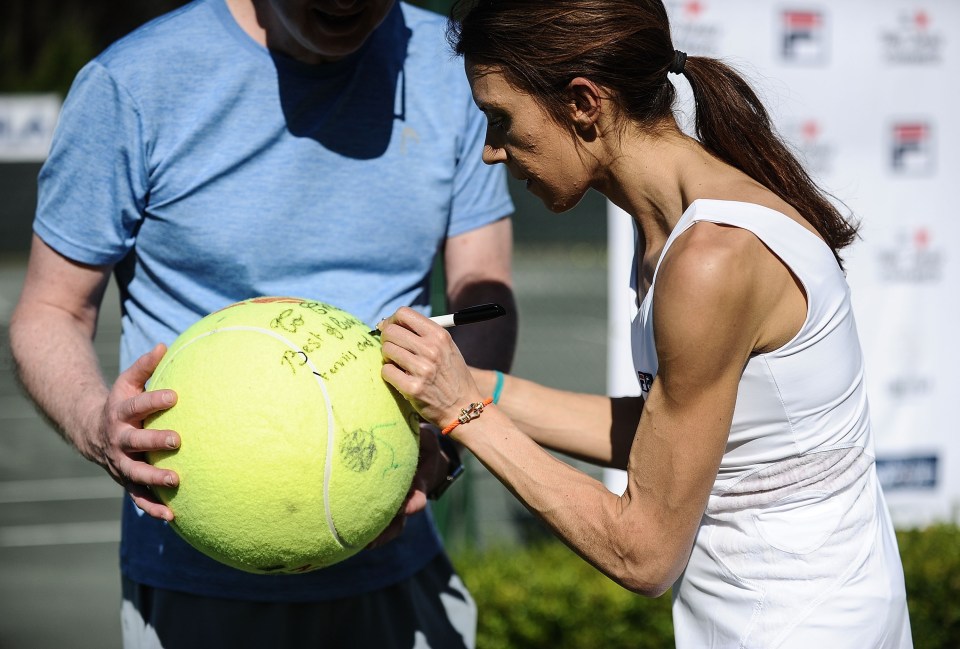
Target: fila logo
[(646, 380), (804, 37), (911, 149)]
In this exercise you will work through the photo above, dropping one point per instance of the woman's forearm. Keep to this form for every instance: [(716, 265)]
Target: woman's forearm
[(593, 428)]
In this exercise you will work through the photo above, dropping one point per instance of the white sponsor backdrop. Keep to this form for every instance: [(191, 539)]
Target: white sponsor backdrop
[(868, 93), (26, 126)]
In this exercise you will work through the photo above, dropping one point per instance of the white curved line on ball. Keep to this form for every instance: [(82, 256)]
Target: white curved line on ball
[(331, 424)]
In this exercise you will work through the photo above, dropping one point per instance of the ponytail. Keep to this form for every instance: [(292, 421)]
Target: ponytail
[(625, 46), (732, 124)]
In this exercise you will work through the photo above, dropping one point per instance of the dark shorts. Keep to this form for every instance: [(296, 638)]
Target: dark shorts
[(431, 610)]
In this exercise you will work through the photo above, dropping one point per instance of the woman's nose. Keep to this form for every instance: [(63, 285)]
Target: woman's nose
[(492, 154)]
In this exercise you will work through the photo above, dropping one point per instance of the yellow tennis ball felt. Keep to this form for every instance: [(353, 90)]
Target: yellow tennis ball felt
[(294, 453)]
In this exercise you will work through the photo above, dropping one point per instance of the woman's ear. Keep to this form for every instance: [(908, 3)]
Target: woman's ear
[(585, 103)]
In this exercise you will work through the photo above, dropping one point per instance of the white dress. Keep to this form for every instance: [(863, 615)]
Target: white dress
[(796, 547)]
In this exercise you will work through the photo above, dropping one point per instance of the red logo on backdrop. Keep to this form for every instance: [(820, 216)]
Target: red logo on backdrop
[(911, 148), (691, 29), (692, 9), (912, 258), (804, 37), (815, 150), (913, 41)]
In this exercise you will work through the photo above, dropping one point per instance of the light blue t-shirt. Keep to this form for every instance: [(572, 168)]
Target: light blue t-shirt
[(210, 170)]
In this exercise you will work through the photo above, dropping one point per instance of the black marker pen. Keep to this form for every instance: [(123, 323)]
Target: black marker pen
[(471, 314)]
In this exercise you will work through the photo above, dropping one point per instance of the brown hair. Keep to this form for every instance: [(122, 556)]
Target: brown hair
[(625, 47)]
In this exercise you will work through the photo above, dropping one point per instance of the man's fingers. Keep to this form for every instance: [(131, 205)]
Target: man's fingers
[(136, 473), (417, 502), (137, 408), (145, 500), (142, 369), (142, 440)]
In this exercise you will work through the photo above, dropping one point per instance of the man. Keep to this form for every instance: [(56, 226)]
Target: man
[(232, 148)]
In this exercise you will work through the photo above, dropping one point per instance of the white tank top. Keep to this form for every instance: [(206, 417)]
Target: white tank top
[(795, 546)]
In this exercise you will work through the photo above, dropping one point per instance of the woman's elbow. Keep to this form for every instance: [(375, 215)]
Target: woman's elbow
[(647, 577), (645, 587)]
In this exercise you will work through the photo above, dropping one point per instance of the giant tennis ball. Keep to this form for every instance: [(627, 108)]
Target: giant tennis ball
[(294, 452)]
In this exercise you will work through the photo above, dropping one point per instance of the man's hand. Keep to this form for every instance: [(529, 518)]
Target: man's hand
[(119, 443), (431, 470)]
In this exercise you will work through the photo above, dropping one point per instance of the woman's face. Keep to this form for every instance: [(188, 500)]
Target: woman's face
[(524, 137), (314, 31)]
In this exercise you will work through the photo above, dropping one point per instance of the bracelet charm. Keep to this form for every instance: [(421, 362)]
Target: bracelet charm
[(468, 414)]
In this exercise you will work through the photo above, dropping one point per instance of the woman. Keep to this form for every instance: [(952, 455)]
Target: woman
[(752, 487)]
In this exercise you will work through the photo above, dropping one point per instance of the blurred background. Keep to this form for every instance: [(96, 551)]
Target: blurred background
[(59, 515)]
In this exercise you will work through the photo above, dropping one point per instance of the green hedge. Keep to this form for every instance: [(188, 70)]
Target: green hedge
[(931, 567), (543, 596)]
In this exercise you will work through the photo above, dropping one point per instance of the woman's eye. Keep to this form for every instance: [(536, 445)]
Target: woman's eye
[(497, 121)]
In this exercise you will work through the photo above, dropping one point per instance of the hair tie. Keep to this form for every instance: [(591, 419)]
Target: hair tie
[(679, 61)]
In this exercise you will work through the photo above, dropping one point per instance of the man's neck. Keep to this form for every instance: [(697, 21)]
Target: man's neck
[(245, 14)]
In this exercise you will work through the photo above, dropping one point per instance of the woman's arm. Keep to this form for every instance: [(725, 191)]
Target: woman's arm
[(589, 427), (707, 319)]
